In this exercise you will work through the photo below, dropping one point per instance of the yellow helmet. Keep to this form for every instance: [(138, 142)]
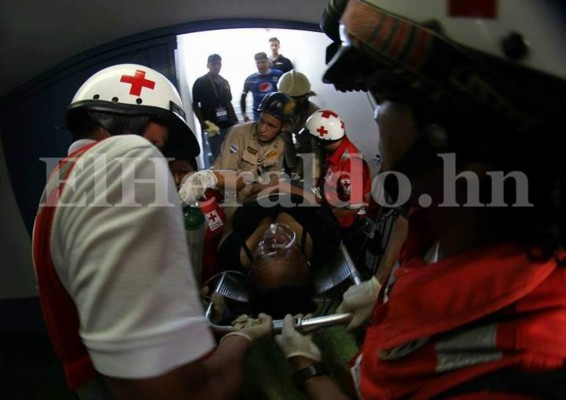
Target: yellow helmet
[(295, 84)]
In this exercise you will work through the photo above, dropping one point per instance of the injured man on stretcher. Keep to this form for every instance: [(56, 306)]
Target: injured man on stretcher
[(277, 241), (285, 249)]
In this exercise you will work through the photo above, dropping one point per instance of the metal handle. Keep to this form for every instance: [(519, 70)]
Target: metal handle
[(302, 325), (312, 324)]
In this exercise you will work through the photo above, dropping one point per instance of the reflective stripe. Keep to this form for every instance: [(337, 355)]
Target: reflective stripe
[(356, 373), (454, 350), (403, 350), (451, 361), (470, 347), (480, 338)]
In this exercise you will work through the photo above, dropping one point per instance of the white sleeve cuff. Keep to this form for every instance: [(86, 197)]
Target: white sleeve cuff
[(146, 360)]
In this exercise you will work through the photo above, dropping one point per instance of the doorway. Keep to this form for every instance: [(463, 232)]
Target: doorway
[(305, 49)]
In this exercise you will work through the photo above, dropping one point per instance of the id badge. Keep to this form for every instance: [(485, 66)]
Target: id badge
[(221, 114)]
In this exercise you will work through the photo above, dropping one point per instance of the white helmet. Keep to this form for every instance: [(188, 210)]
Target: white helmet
[(325, 126), (295, 84), (118, 95), (479, 52)]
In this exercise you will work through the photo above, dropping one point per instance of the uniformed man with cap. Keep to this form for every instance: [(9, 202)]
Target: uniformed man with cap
[(256, 147)]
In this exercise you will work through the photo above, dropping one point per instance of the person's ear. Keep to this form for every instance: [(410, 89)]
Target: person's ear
[(100, 133), (285, 126)]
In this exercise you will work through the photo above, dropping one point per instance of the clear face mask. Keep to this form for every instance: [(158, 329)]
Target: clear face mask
[(277, 239)]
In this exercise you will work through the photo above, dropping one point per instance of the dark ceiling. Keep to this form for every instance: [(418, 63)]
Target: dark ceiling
[(36, 35)]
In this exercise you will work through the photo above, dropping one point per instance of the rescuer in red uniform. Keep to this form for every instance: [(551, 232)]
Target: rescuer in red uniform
[(466, 95)]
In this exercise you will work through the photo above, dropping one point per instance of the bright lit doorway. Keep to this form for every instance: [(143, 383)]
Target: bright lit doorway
[(306, 49)]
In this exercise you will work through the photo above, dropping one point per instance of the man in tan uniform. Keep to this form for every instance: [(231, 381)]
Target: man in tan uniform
[(256, 147)]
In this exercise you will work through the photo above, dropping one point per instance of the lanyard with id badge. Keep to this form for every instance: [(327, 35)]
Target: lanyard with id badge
[(220, 112)]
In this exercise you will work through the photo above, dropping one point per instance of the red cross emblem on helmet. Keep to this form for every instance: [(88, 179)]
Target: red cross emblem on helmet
[(138, 82), (322, 131), (325, 125)]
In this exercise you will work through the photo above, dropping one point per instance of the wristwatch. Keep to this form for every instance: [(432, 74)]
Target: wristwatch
[(302, 375)]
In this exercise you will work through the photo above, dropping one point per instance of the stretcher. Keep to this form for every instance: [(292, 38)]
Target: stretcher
[(267, 374), (330, 282)]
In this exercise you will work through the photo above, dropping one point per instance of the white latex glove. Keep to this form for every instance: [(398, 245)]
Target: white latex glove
[(194, 185), (360, 300), (257, 328), (252, 329), (293, 344)]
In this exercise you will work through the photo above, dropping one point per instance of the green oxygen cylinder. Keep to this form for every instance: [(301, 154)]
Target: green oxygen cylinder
[(195, 225)]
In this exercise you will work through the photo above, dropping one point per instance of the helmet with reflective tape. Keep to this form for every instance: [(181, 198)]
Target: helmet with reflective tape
[(295, 84), (279, 105), (495, 54), (124, 98), (325, 126)]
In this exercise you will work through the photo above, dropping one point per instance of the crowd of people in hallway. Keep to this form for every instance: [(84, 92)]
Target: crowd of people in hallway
[(468, 301), (212, 96)]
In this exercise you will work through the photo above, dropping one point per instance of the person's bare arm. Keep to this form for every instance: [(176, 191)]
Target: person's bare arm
[(198, 113), (232, 179), (302, 352), (320, 387), (217, 376), (243, 102), (197, 96)]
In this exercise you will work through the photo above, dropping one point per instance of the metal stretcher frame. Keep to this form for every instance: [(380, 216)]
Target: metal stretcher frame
[(326, 278)]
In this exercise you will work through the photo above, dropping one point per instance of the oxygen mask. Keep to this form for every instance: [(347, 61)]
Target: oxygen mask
[(277, 239)]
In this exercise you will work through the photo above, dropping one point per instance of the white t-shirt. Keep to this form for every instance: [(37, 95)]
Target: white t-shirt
[(119, 248)]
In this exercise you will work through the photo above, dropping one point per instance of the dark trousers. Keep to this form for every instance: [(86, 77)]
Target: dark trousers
[(215, 143)]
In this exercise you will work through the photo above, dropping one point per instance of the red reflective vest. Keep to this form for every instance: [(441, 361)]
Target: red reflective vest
[(347, 181), (58, 308), (449, 322)]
